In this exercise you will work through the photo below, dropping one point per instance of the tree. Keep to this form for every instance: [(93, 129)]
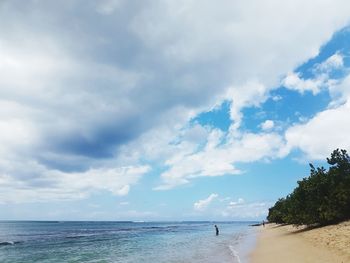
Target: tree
[(321, 198)]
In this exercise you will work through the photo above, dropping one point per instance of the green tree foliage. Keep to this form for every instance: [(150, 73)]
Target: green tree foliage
[(322, 198)]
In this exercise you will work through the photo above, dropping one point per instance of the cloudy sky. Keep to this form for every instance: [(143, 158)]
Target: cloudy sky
[(167, 109)]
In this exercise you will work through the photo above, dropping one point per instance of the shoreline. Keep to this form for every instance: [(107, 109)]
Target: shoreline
[(241, 252), (277, 243)]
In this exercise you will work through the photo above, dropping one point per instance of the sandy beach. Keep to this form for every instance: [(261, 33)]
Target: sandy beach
[(277, 243)]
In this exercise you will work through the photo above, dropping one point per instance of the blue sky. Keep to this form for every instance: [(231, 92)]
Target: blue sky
[(167, 110)]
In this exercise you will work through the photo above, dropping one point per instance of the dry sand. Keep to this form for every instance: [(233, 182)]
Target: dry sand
[(288, 244)]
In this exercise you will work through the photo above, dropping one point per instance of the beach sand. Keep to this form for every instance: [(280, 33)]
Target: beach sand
[(289, 244)]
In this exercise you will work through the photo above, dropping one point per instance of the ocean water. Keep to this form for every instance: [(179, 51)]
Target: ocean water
[(38, 241)]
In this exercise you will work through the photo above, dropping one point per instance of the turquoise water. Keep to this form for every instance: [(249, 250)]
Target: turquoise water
[(27, 241)]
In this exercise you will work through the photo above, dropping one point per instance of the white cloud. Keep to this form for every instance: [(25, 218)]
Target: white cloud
[(77, 100), (267, 125), (203, 204), (328, 129), (246, 210), (340, 92), (297, 136), (277, 98), (217, 158), (322, 134), (231, 210), (43, 185), (294, 82), (335, 61), (322, 80), (238, 202), (250, 94)]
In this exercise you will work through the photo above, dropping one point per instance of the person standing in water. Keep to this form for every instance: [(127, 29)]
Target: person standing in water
[(216, 230)]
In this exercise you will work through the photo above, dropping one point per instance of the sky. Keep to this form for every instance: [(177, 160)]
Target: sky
[(167, 110)]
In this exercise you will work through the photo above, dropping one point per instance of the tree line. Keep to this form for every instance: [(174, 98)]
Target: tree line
[(322, 198)]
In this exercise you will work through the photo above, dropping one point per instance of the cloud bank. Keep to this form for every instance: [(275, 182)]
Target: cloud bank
[(83, 83)]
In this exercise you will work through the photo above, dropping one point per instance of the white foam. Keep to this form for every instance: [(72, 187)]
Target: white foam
[(235, 254), (7, 243)]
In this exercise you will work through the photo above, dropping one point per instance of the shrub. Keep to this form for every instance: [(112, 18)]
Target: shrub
[(322, 198)]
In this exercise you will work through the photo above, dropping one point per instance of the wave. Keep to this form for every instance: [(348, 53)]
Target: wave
[(9, 243), (77, 236), (165, 228), (82, 235), (234, 253)]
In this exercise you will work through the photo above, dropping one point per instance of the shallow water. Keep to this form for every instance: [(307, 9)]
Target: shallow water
[(28, 241)]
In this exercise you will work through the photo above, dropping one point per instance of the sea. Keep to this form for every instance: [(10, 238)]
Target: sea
[(66, 241)]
